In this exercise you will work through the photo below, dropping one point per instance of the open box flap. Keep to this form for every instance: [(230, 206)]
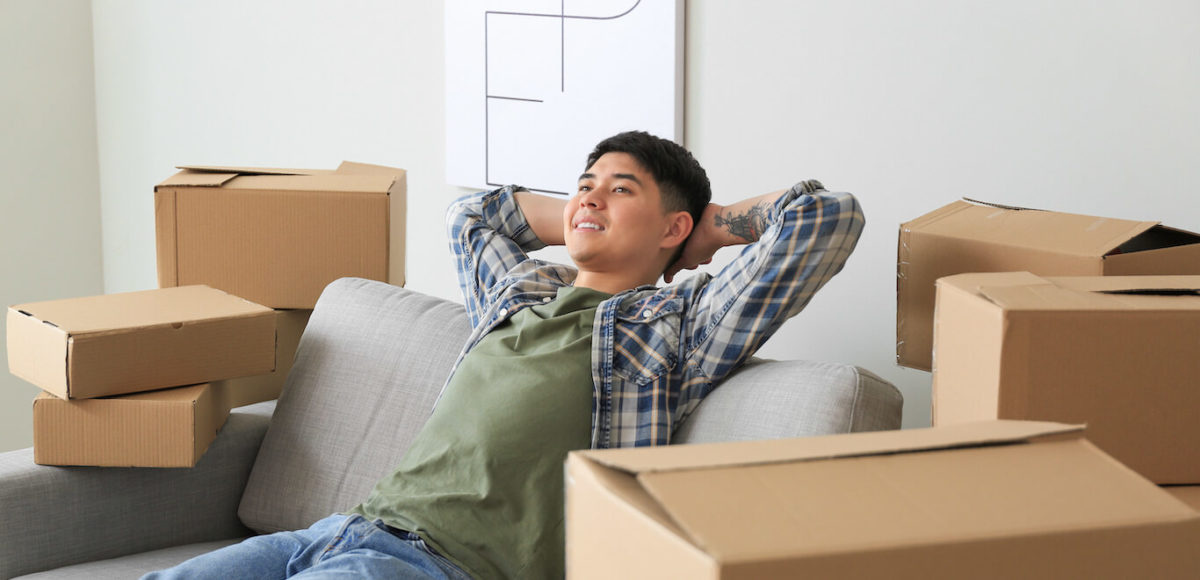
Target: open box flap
[(684, 457), (1065, 233), (848, 505)]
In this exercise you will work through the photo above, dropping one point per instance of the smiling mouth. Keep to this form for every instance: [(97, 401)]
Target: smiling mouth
[(589, 226)]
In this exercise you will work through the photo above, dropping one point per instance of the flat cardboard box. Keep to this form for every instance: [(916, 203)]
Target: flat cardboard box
[(289, 326), (139, 341), (1118, 353), (164, 428), (279, 236), (1000, 499), (968, 236)]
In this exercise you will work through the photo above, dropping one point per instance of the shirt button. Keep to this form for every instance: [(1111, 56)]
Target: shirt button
[(546, 299), (503, 312), (646, 314)]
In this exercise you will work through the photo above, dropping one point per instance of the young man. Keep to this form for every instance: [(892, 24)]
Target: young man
[(567, 358)]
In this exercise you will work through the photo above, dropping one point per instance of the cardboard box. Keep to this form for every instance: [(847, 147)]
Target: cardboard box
[(138, 341), (289, 326), (1189, 494), (990, 500), (1118, 353), (165, 428), (974, 237), (279, 236)]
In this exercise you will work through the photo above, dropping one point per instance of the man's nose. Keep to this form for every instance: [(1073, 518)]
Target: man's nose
[(591, 199)]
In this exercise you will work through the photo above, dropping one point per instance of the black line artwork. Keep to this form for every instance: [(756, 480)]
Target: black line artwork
[(489, 97)]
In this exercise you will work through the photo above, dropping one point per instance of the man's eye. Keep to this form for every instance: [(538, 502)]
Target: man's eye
[(584, 188), (621, 190)]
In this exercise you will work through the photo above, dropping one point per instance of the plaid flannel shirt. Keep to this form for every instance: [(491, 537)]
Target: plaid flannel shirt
[(657, 352)]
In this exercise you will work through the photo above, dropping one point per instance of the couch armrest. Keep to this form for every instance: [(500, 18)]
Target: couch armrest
[(768, 399), (58, 516)]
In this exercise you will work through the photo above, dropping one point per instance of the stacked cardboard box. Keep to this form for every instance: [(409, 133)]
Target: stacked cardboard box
[(965, 237), (1119, 353), (128, 377), (147, 378), (1040, 315), (279, 236)]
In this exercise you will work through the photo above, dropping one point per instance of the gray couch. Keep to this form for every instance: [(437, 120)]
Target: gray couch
[(366, 373)]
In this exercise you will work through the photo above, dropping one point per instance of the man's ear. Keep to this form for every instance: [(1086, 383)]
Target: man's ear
[(679, 227)]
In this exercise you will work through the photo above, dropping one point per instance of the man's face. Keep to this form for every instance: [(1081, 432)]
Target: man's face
[(616, 218)]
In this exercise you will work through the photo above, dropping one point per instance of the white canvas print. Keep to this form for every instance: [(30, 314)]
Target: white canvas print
[(533, 85)]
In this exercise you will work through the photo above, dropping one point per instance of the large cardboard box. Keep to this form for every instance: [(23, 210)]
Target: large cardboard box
[(138, 341), (164, 428), (279, 236), (976, 237), (289, 327), (988, 500), (1118, 353)]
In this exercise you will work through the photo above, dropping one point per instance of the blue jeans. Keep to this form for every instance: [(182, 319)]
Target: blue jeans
[(338, 546)]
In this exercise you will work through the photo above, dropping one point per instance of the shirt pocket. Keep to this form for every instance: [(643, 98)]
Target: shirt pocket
[(646, 340)]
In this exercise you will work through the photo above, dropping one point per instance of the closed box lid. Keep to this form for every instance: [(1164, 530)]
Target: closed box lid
[(138, 341)]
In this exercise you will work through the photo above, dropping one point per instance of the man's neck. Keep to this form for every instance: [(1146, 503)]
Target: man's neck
[(611, 283)]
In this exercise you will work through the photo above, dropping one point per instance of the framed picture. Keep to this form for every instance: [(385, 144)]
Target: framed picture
[(532, 86)]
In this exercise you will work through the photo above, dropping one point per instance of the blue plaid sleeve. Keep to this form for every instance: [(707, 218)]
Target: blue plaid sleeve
[(811, 235), (488, 236)]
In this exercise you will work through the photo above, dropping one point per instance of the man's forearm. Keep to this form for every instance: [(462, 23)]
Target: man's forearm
[(544, 214), (724, 225), (739, 223)]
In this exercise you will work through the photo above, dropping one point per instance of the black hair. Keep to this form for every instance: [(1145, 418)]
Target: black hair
[(681, 180)]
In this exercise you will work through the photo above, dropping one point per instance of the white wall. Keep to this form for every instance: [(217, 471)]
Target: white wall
[(1083, 106), (49, 196)]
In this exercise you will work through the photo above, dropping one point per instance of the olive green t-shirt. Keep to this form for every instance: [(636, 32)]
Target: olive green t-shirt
[(483, 481)]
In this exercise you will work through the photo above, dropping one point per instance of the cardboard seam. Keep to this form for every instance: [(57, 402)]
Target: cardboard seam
[(175, 234)]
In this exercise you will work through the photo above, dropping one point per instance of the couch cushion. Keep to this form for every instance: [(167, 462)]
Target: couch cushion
[(130, 566), (772, 399), (368, 369), (88, 509)]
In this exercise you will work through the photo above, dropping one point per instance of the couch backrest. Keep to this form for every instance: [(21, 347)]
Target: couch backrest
[(374, 357), (368, 369)]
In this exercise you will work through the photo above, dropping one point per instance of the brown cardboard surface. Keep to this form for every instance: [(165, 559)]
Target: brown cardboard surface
[(967, 237), (971, 506), (138, 341), (279, 236), (1188, 494), (1079, 350), (164, 428), (289, 326), (733, 454)]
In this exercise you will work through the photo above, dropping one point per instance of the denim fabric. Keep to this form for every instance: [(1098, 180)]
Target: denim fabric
[(338, 546)]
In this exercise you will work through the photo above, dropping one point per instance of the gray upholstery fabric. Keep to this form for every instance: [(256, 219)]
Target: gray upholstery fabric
[(131, 566), (57, 516), (368, 369), (374, 357), (773, 399), (369, 366)]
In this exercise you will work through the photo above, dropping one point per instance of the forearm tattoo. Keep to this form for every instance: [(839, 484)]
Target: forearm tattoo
[(748, 226)]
